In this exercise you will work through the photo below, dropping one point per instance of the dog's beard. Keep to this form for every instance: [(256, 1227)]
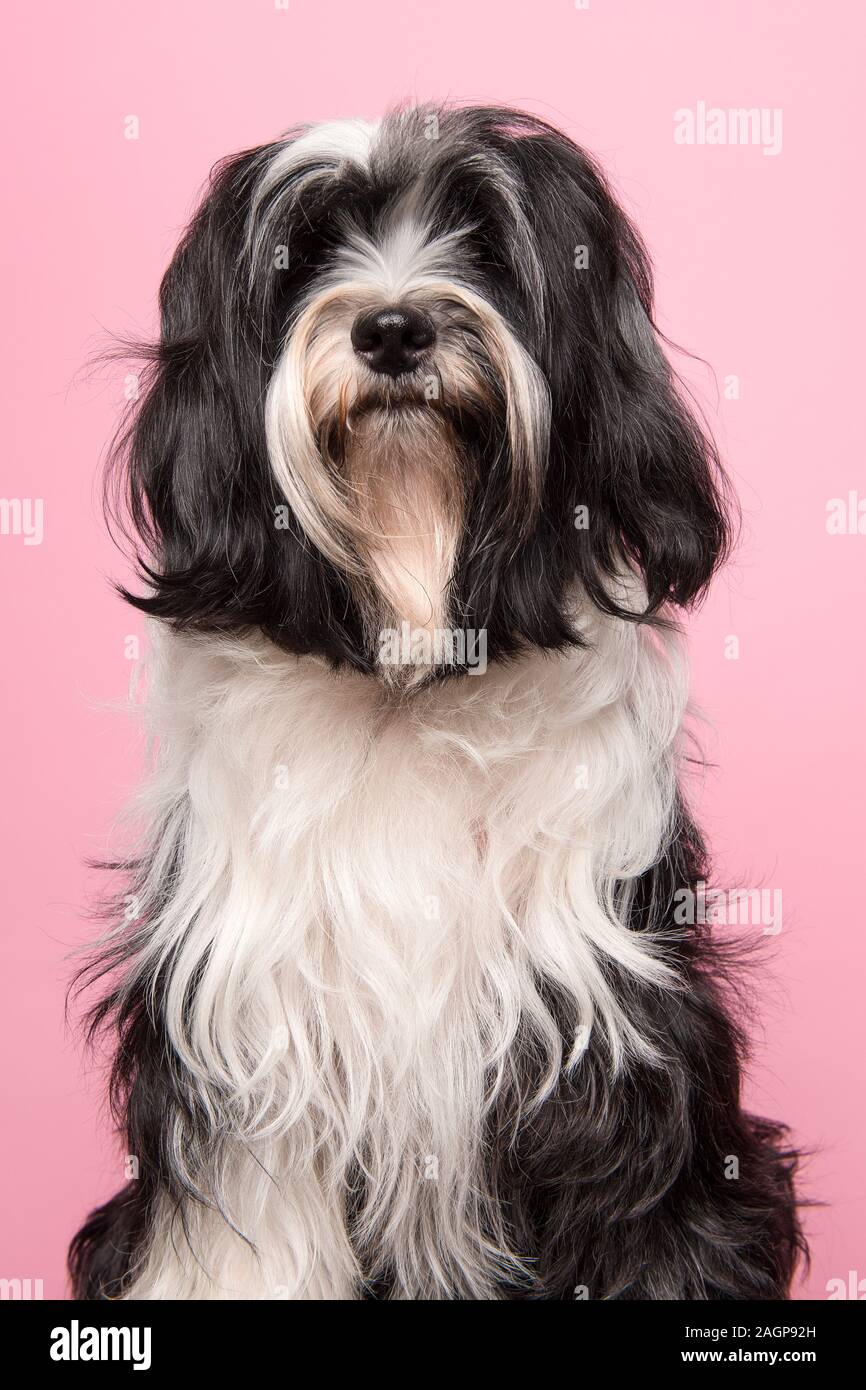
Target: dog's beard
[(379, 472), (404, 472)]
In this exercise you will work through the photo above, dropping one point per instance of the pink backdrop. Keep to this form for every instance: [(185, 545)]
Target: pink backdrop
[(759, 271)]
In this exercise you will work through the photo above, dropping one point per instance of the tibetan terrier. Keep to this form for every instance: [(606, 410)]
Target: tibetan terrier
[(401, 1005)]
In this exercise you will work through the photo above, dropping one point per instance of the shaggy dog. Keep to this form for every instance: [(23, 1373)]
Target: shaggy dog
[(402, 1007)]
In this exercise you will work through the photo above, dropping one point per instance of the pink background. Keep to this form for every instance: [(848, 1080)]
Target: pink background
[(759, 271)]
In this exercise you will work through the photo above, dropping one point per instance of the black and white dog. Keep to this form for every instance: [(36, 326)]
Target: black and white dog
[(403, 1008)]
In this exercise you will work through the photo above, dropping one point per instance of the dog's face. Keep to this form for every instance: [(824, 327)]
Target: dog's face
[(408, 377)]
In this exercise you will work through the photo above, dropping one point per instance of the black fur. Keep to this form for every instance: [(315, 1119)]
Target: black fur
[(628, 1190)]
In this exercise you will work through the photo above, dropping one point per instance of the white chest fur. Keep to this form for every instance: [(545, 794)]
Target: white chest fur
[(365, 893)]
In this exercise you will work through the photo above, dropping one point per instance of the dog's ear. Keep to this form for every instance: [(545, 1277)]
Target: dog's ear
[(214, 541), (625, 446), (191, 461), (655, 488)]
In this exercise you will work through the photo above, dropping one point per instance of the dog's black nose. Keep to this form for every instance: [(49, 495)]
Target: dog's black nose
[(392, 340)]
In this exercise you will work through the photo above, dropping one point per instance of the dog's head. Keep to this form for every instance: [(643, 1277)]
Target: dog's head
[(408, 380)]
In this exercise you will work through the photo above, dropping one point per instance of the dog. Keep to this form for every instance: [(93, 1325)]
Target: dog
[(400, 1004)]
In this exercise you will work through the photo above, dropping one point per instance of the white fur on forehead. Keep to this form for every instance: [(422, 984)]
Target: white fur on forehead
[(403, 239), (320, 152), (403, 246), (402, 256), (329, 144)]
